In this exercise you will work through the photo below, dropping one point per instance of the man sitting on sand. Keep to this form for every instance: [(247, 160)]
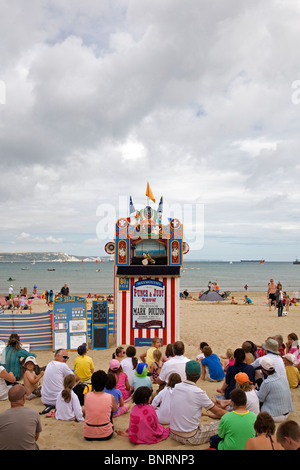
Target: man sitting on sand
[(53, 382), (19, 426), (174, 364), (187, 401)]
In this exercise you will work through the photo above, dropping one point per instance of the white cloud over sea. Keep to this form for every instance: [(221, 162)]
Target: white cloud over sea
[(199, 98)]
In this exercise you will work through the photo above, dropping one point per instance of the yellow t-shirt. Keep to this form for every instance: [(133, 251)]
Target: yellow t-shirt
[(149, 356), (83, 366), (293, 376)]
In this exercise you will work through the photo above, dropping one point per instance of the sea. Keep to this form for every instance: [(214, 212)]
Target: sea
[(92, 277)]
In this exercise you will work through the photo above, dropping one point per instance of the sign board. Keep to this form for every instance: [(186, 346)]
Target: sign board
[(100, 320), (148, 304), (100, 312), (123, 283), (69, 322), (100, 337)]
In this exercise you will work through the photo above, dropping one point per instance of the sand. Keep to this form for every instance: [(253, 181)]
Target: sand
[(220, 324)]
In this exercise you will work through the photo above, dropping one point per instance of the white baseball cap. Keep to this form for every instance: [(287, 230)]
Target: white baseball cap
[(290, 357), (267, 363)]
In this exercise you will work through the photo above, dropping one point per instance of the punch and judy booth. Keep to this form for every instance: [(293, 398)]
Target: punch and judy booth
[(148, 258)]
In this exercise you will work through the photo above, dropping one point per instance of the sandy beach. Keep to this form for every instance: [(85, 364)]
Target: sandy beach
[(221, 324)]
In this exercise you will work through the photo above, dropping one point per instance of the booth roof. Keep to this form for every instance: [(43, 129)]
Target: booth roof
[(148, 270)]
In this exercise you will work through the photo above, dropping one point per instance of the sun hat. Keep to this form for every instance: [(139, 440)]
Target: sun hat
[(193, 368), (242, 378), (114, 365), (141, 370), (267, 363), (271, 345), (290, 357), (30, 359)]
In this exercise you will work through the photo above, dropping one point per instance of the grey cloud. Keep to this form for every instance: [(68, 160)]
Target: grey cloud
[(195, 87)]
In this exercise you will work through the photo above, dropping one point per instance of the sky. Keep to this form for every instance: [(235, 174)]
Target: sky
[(199, 98)]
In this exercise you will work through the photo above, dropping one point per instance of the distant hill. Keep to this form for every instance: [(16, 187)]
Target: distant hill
[(38, 257)]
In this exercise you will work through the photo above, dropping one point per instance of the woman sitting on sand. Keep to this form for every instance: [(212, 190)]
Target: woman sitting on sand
[(13, 354), (239, 366), (265, 439), (98, 407)]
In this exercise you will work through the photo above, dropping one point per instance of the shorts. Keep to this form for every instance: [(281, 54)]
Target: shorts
[(121, 410), (272, 297), (201, 436)]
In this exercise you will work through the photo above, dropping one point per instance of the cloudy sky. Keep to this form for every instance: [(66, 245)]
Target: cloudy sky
[(200, 98)]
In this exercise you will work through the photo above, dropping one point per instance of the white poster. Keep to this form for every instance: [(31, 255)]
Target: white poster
[(77, 340), (60, 340), (148, 304)]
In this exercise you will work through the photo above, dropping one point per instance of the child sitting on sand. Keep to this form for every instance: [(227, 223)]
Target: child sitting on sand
[(201, 355), (227, 360), (144, 427), (211, 366), (169, 352), (67, 404), (121, 379), (292, 373), (247, 347), (110, 388), (129, 363), (156, 366), (119, 353), (161, 402), (247, 300), (31, 380), (141, 378), (148, 355), (83, 364)]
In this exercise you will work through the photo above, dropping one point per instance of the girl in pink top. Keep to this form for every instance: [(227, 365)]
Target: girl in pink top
[(121, 378), (98, 407), (292, 347), (144, 427)]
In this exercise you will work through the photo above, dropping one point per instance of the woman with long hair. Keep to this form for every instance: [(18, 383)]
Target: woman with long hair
[(12, 355)]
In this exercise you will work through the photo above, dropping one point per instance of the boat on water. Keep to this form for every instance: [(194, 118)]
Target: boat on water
[(25, 269), (261, 261), (296, 261), (51, 269), (98, 270)]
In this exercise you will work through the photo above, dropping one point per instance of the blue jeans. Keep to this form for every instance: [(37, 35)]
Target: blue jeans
[(280, 308), (214, 441)]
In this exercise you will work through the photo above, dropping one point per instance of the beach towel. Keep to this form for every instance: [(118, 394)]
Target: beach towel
[(144, 427)]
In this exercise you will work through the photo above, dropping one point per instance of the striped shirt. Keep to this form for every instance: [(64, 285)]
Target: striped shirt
[(275, 395), (12, 359)]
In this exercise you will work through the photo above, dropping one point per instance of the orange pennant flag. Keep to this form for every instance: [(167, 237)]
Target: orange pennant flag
[(149, 193)]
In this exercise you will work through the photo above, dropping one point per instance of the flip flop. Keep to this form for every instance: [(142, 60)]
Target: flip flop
[(51, 414)]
